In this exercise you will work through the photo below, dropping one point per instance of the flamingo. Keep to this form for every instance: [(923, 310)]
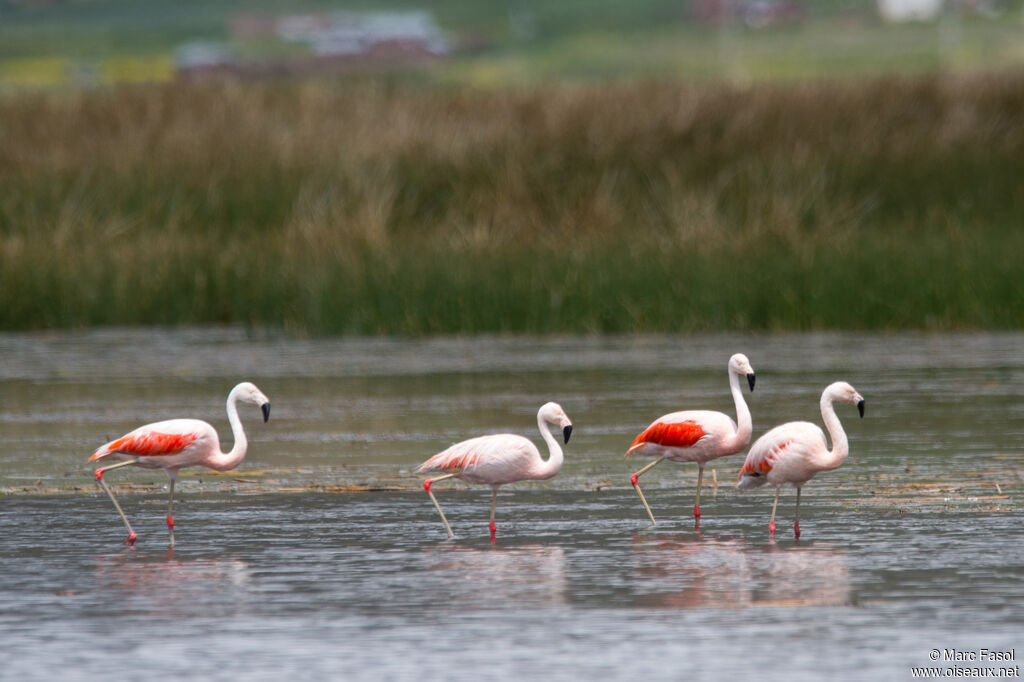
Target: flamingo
[(176, 443), (697, 435), (793, 452), (499, 459)]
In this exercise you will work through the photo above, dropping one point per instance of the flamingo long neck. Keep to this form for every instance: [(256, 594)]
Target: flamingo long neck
[(553, 465), (223, 461), (744, 423), (840, 444)]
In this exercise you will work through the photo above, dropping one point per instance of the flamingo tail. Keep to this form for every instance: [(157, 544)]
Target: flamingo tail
[(751, 480)]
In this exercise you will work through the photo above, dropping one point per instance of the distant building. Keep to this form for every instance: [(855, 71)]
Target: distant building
[(754, 13), (367, 34), (766, 13), (909, 10), (335, 42), (714, 11), (197, 57)]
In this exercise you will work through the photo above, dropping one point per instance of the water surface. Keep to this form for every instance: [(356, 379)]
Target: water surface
[(915, 544)]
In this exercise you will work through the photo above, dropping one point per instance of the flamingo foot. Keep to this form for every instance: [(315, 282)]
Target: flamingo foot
[(426, 484), (796, 530), (494, 530), (634, 479), (130, 540), (771, 529), (696, 512), (99, 474)]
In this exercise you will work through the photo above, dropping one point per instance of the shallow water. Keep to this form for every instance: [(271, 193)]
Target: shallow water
[(915, 544)]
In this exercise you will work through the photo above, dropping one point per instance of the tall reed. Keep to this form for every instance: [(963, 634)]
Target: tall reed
[(369, 207)]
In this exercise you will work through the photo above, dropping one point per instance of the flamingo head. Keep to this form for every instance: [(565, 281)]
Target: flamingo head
[(553, 413), (843, 392), (739, 364), (247, 392)]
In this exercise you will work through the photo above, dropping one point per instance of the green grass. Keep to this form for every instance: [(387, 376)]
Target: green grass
[(359, 207)]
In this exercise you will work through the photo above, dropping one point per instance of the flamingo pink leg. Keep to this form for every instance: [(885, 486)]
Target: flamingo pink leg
[(494, 504), (796, 523), (635, 480), (132, 537), (426, 486), (700, 479), (771, 524), (170, 510)]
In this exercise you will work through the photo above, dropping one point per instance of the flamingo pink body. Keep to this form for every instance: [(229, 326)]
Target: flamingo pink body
[(697, 435), (493, 460), (502, 458), (690, 436), (794, 452), (169, 445), (176, 443)]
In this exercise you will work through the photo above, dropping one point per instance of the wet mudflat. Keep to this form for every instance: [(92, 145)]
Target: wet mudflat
[(282, 569)]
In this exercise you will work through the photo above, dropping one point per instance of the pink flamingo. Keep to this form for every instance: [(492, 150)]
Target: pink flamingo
[(176, 443), (793, 452), (500, 459), (697, 435)]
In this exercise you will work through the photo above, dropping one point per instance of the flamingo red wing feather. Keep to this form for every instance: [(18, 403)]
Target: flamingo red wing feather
[(151, 443), (453, 459), (459, 461), (676, 435), (762, 465)]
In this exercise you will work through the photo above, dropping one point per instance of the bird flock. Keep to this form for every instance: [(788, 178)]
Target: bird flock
[(791, 453)]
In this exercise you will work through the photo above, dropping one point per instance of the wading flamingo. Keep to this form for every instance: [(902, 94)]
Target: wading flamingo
[(176, 443), (499, 459), (697, 435), (793, 452)]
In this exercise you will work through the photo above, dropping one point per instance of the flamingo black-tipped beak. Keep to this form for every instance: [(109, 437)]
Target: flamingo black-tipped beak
[(860, 407), (566, 432), (750, 380), (265, 407)]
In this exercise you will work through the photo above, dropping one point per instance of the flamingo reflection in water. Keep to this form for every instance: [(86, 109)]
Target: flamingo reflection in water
[(701, 573), (497, 576), (187, 587)]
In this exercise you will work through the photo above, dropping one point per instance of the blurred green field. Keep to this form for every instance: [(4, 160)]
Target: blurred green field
[(511, 42), (365, 206)]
